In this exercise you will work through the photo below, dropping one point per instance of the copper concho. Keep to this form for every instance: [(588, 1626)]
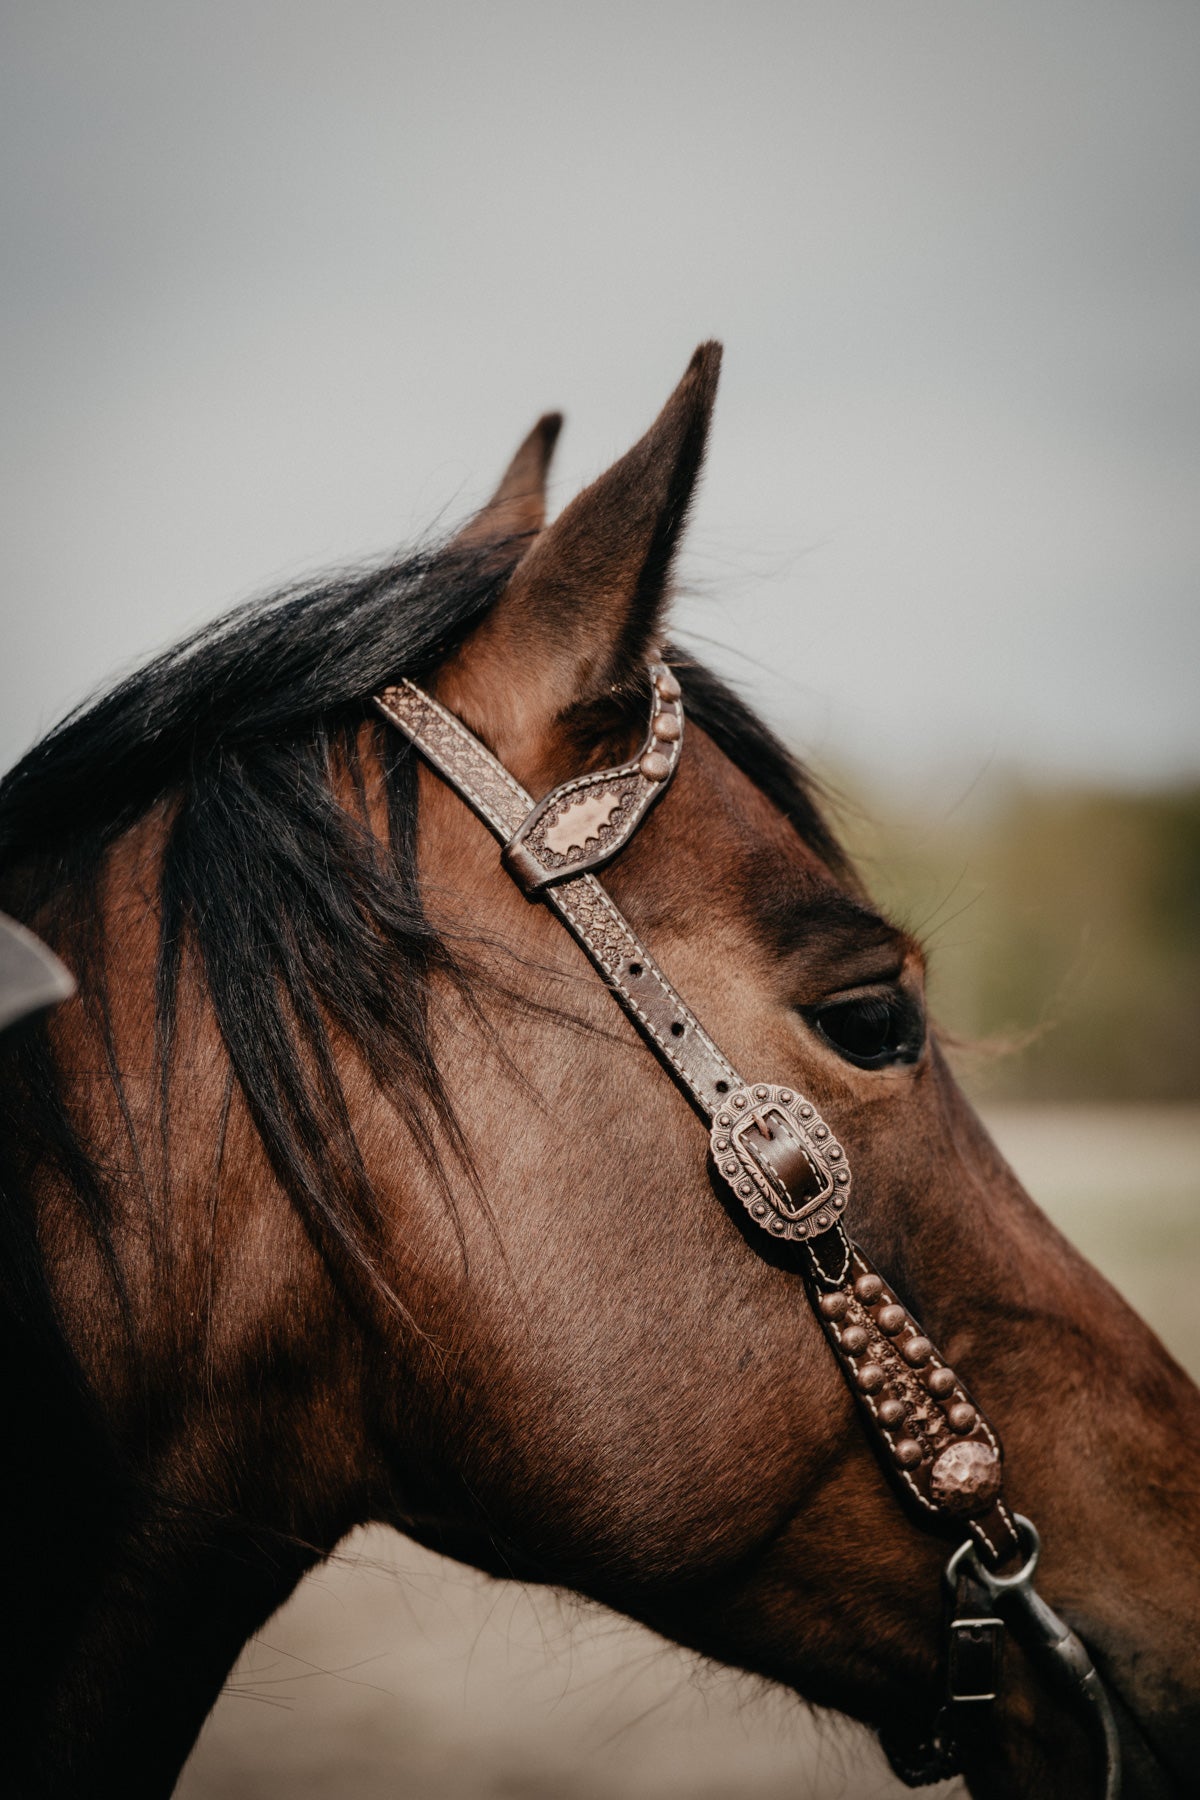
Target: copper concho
[(781, 1159)]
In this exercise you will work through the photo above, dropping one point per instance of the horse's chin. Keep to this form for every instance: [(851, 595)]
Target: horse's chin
[(1160, 1745), (1042, 1746)]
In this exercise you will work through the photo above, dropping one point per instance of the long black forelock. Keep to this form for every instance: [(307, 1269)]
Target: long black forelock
[(305, 926)]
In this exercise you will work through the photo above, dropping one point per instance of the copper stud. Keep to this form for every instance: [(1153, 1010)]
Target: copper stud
[(759, 1210), (834, 1153), (666, 727), (891, 1411), (667, 685), (842, 1175), (823, 1221), (777, 1225), (746, 1188), (854, 1340), (806, 1111), (870, 1378), (916, 1350), (941, 1381), (868, 1288), (821, 1131), (731, 1168), (786, 1096), (961, 1417), (760, 1093), (655, 766), (965, 1478), (839, 1200), (907, 1452), (832, 1306), (890, 1319)]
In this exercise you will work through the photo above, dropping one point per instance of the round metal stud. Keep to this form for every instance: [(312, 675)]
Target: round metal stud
[(835, 1153), (666, 728), (823, 1221), (777, 1225), (667, 685), (739, 1100), (722, 1143), (760, 1093), (868, 1289), (655, 766), (820, 1131), (916, 1350), (965, 1478), (786, 1096), (870, 1378), (907, 1452), (731, 1168), (832, 1306), (891, 1319), (839, 1200), (941, 1381), (843, 1175), (806, 1111), (725, 1120), (891, 1411), (855, 1339), (759, 1210), (745, 1188), (961, 1416)]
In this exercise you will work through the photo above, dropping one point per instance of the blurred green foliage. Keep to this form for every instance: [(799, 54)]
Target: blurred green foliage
[(1063, 930)]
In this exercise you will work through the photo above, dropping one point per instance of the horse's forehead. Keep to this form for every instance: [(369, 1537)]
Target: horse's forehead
[(718, 841)]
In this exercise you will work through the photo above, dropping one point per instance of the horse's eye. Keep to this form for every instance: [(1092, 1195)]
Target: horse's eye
[(874, 1031)]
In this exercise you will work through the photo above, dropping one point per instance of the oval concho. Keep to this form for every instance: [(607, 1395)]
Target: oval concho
[(781, 1159)]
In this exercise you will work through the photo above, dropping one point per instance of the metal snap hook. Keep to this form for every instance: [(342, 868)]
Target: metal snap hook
[(1065, 1654)]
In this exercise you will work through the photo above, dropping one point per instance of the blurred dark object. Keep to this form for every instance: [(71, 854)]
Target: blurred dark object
[(31, 977)]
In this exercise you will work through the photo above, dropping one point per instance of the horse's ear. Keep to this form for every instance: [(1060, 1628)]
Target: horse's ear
[(586, 602), (518, 507)]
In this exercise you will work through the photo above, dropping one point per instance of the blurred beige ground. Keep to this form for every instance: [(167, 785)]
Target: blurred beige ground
[(393, 1674)]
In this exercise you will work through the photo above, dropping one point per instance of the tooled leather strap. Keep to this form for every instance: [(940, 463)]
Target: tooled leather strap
[(769, 1144), (570, 888)]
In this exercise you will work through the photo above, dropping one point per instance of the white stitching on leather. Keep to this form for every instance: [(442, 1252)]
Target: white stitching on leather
[(561, 897), (864, 1269), (412, 710)]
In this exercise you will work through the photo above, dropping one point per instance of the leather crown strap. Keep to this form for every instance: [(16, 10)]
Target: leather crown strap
[(769, 1144)]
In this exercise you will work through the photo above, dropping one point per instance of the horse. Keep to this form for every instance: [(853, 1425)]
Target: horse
[(341, 1191)]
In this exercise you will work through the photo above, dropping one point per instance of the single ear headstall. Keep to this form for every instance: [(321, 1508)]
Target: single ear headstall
[(783, 1163)]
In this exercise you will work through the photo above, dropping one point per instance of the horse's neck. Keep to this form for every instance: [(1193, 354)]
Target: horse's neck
[(179, 1468)]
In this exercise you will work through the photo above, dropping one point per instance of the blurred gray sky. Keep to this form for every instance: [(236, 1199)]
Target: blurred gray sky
[(282, 284)]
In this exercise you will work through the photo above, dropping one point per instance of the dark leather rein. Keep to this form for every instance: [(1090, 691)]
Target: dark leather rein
[(785, 1166)]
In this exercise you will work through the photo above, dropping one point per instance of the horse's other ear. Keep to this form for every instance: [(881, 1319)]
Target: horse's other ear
[(586, 602), (518, 507)]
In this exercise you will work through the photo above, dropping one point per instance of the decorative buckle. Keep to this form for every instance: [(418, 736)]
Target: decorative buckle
[(782, 1161)]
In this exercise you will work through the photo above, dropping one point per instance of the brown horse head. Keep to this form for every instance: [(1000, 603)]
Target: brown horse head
[(344, 1192)]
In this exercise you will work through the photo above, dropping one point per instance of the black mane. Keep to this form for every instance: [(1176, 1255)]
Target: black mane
[(299, 919)]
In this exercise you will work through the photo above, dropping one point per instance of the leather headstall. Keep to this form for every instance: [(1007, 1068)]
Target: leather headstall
[(785, 1166), (769, 1144)]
